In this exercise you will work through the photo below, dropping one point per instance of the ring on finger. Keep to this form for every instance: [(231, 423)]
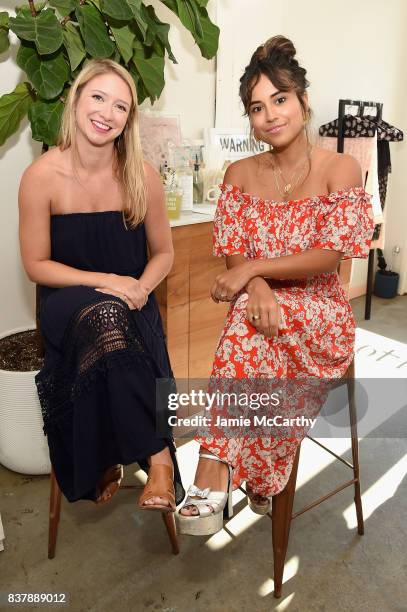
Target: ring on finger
[(255, 317)]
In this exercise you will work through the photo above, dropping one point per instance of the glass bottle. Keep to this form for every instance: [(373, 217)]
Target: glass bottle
[(197, 183)]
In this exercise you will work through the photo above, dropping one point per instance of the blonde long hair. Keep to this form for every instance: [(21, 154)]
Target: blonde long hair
[(129, 156)]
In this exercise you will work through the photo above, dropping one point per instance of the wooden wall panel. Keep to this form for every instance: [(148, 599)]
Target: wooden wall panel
[(192, 320)]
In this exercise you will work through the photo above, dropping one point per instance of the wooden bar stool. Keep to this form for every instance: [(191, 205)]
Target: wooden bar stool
[(282, 504), (55, 512)]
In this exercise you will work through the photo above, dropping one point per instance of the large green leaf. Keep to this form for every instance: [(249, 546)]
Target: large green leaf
[(4, 40), (4, 27), (45, 119), (157, 29), (150, 67), (195, 18), (210, 41), (64, 7), (94, 32), (44, 30), (142, 93), (97, 4), (192, 9), (4, 19), (185, 14), (124, 37), (118, 9), (137, 7), (74, 45), (47, 74), (13, 107), (25, 8)]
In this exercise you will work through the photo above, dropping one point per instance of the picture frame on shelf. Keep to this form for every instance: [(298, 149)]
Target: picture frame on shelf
[(234, 143)]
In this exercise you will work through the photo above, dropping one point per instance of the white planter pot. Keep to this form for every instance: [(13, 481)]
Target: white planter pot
[(23, 446)]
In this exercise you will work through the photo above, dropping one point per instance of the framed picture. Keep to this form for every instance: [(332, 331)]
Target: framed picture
[(157, 131)]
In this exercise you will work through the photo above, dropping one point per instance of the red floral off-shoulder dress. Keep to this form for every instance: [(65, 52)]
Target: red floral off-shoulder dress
[(317, 331)]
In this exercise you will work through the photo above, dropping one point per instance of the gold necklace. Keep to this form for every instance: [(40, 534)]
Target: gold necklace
[(285, 188)]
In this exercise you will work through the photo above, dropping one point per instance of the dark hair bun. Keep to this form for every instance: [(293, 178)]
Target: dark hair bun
[(276, 46), (276, 60)]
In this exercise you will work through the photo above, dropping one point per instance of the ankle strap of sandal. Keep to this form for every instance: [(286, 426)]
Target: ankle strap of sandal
[(214, 457)]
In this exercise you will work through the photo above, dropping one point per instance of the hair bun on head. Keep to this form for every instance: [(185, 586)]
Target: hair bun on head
[(276, 45), (276, 60)]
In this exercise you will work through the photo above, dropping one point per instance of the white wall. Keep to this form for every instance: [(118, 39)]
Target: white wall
[(193, 100), (350, 50), (16, 293)]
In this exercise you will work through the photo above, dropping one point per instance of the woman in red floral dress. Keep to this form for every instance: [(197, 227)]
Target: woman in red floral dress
[(285, 219)]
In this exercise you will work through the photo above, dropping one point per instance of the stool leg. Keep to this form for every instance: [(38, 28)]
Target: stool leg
[(282, 505), (169, 521), (54, 513), (355, 453)]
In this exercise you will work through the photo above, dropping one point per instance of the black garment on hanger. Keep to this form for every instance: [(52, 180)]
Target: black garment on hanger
[(355, 126)]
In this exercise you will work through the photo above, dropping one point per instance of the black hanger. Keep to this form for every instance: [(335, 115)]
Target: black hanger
[(361, 104)]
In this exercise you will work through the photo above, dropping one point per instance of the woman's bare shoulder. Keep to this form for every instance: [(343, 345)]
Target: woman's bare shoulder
[(45, 166), (238, 171), (343, 171)]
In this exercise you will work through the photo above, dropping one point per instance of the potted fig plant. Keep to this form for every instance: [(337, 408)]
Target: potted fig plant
[(56, 37)]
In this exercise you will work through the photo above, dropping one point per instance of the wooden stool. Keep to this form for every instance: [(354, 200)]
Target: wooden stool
[(282, 503), (55, 511), (55, 492)]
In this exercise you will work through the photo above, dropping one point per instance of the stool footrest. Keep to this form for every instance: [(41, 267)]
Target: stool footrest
[(327, 496), (328, 450)]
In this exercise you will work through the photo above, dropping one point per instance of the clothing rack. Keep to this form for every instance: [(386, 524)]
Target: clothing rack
[(361, 104)]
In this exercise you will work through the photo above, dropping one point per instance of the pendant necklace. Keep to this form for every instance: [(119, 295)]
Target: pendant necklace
[(285, 188)]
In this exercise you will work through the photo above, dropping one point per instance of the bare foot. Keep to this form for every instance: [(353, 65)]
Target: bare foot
[(109, 483), (164, 458), (209, 473)]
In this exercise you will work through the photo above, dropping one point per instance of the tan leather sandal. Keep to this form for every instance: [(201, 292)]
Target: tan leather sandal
[(111, 480), (159, 484)]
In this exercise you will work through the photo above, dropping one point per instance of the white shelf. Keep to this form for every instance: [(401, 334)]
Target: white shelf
[(202, 213)]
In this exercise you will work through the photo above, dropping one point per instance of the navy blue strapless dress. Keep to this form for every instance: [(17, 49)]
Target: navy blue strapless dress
[(97, 388)]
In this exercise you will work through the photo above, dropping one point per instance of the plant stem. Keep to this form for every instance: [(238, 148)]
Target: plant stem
[(32, 8)]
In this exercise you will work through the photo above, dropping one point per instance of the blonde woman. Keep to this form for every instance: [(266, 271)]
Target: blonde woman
[(88, 210)]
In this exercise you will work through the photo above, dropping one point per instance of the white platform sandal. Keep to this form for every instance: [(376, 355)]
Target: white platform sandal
[(212, 506)]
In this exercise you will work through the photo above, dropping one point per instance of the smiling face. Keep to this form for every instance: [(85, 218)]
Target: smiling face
[(277, 117), (103, 108)]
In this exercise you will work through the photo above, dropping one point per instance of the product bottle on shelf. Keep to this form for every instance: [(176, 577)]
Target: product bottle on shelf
[(185, 182), (173, 192), (197, 183)]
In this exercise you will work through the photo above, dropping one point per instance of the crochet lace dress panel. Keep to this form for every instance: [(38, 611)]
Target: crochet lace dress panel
[(100, 336)]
